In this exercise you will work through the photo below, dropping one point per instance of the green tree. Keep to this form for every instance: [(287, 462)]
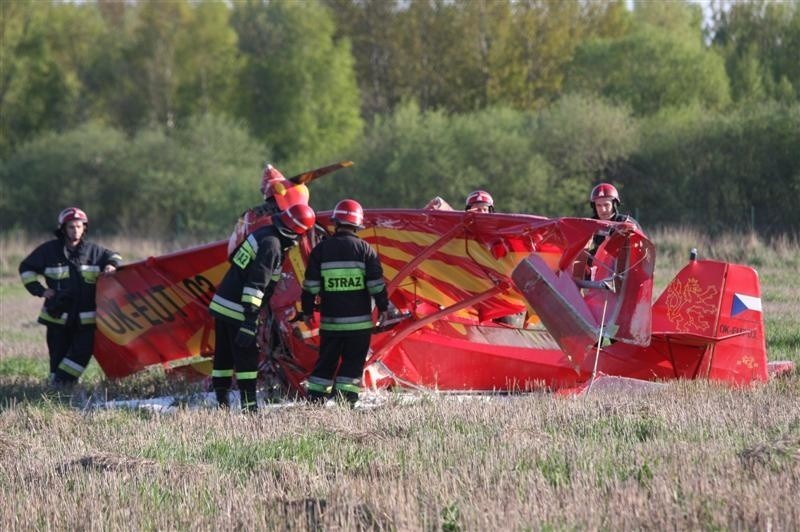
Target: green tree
[(196, 179), (112, 79), (133, 75), (405, 160), (607, 19), (155, 59), (464, 55), (160, 62), (716, 170), (541, 43), (297, 89), (649, 69), (73, 32), (679, 17), (207, 60), (486, 27), (70, 168), (497, 152), (761, 43), (540, 162), (35, 91), (438, 53), (585, 140), (442, 52), (371, 27), (411, 156)]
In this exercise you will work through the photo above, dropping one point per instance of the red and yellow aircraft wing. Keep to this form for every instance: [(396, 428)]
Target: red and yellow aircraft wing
[(482, 302)]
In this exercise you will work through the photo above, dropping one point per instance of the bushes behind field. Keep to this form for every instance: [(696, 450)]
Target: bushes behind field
[(733, 170)]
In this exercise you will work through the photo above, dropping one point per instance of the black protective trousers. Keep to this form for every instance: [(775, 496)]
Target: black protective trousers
[(70, 350), (351, 349), (230, 358)]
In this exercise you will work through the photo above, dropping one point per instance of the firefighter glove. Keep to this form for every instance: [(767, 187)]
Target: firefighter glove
[(247, 333)]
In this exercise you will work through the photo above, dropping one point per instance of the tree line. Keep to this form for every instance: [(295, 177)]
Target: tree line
[(158, 116)]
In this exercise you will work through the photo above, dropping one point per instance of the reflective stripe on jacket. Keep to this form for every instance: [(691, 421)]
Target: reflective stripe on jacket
[(255, 268), (345, 273), (74, 272)]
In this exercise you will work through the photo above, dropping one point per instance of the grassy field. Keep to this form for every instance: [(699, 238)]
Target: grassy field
[(688, 455)]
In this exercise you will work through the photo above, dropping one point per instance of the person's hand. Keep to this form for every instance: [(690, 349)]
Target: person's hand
[(247, 333), (48, 293), (382, 317), (626, 229), (109, 268)]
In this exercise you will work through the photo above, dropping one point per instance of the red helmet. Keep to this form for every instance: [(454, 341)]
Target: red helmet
[(298, 219), (479, 196), (604, 190), (72, 213), (349, 212)]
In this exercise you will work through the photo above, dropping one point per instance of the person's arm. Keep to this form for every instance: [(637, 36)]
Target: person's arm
[(258, 277), (375, 283), (111, 260), (312, 285), (261, 275), (29, 270), (629, 219)]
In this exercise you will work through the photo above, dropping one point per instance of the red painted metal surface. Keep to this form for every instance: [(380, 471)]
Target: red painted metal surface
[(155, 311), (484, 302)]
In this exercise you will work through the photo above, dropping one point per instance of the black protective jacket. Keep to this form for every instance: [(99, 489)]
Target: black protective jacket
[(345, 272), (256, 266), (72, 274)]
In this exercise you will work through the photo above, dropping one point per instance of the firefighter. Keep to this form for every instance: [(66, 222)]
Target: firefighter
[(70, 265), (344, 273), (604, 200), (255, 267), (479, 201)]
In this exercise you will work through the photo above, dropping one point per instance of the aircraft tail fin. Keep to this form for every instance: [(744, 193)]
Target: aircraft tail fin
[(716, 305)]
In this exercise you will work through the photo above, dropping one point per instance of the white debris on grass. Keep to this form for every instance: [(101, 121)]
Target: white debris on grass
[(368, 400)]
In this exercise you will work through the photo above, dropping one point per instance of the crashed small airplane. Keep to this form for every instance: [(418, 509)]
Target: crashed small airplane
[(481, 302)]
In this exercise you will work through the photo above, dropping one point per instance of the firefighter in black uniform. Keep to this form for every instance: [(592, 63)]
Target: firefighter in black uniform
[(70, 266), (344, 272), (255, 268)]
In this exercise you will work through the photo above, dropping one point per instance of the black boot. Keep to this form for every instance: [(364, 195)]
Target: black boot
[(247, 391), (347, 398), (315, 397), (221, 385), (222, 398), (63, 380)]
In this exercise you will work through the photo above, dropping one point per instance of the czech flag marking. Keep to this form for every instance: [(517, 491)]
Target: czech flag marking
[(742, 302)]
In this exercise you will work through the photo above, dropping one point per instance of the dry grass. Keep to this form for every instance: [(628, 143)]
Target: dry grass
[(691, 455), (14, 246), (673, 247)]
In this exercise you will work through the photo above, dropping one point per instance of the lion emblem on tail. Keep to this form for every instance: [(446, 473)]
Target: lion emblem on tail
[(690, 307)]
